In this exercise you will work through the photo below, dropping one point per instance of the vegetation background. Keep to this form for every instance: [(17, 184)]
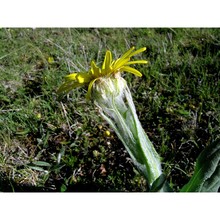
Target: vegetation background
[(53, 144)]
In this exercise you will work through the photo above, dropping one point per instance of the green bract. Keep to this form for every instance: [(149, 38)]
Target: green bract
[(114, 100)]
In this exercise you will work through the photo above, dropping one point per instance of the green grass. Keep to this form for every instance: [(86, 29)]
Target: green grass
[(52, 144)]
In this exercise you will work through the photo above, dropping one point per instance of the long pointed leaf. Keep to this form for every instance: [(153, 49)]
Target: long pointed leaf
[(206, 177)]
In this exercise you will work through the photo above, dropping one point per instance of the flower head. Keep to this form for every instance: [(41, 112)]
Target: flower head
[(109, 68)]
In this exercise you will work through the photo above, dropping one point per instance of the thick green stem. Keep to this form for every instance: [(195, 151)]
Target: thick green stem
[(118, 109)]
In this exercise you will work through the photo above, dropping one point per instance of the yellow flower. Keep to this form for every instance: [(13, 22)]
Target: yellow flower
[(107, 133), (109, 68), (50, 60), (38, 116)]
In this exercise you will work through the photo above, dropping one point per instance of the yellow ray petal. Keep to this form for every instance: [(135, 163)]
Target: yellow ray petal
[(71, 76), (95, 70), (88, 95), (83, 78), (131, 70), (119, 63), (136, 61), (68, 86), (138, 51), (126, 54), (107, 61)]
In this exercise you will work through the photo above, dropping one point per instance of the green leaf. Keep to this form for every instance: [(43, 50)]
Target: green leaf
[(41, 163), (23, 132), (161, 185), (206, 177), (63, 188), (183, 112), (158, 183), (37, 168), (57, 167)]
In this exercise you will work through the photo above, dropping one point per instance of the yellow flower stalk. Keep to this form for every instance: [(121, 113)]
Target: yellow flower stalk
[(110, 93)]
